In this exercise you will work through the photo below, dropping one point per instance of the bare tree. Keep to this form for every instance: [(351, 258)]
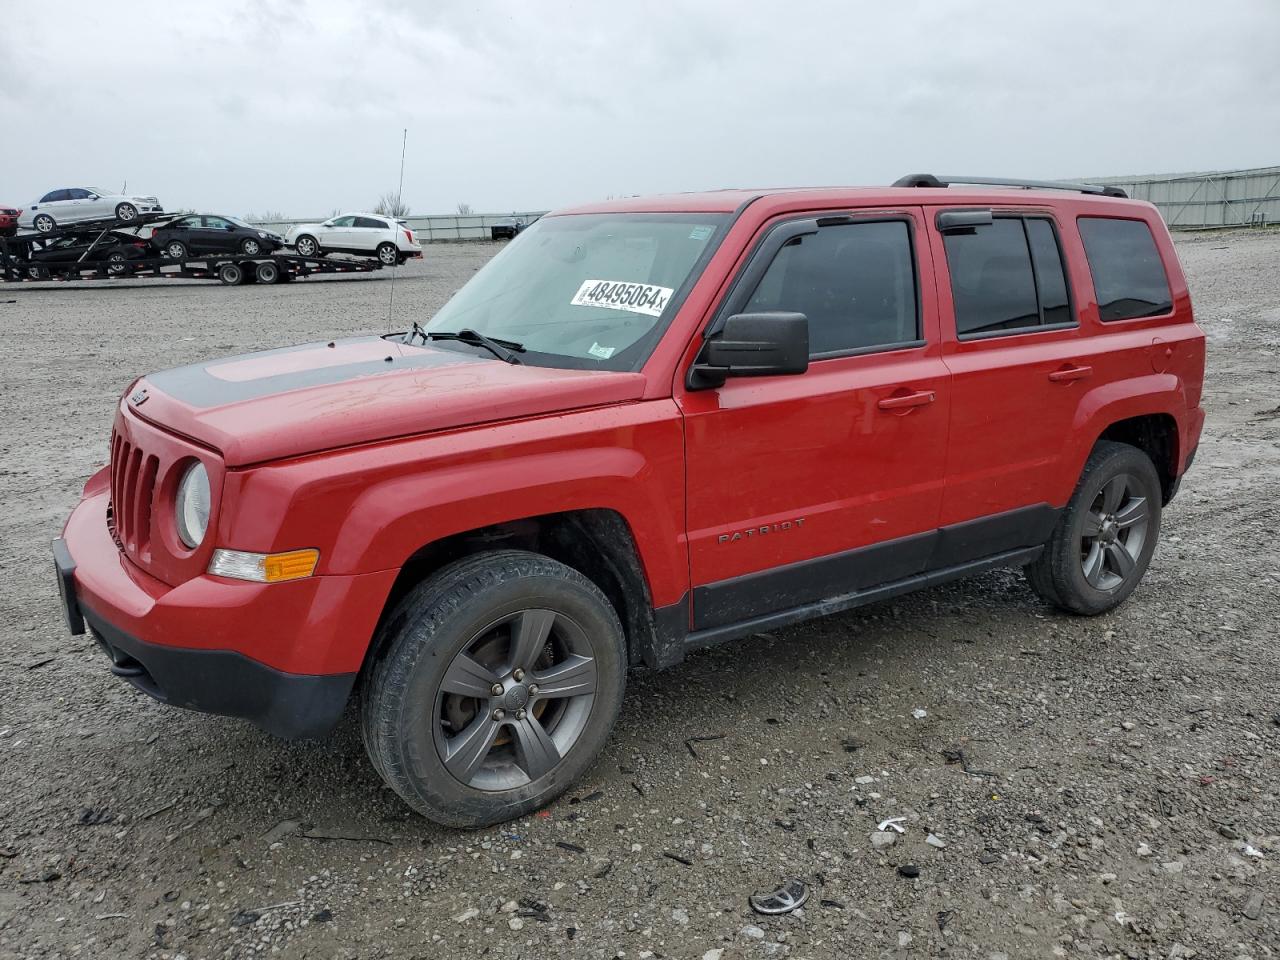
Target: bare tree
[(390, 205), (267, 216), (464, 209)]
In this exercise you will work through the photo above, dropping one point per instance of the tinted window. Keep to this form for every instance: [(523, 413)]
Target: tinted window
[(991, 279), (1051, 279), (216, 223), (342, 222), (78, 194), (1128, 275), (855, 282), (49, 197), (370, 223)]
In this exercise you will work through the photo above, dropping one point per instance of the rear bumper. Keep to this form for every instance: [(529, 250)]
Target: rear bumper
[(284, 656)]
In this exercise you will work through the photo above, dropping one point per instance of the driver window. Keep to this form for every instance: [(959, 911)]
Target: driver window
[(342, 222), (215, 223)]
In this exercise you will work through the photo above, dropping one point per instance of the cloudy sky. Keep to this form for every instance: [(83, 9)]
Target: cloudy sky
[(299, 107)]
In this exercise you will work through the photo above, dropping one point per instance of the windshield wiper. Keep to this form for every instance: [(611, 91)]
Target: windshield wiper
[(502, 349)]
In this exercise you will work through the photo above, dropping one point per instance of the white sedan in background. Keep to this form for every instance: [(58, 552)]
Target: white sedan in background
[(78, 204), (364, 234)]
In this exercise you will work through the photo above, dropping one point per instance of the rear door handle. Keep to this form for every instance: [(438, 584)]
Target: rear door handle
[(904, 401), (1067, 374)]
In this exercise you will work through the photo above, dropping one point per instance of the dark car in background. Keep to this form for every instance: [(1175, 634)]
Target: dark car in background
[(113, 248), (199, 234), (508, 228), (9, 221)]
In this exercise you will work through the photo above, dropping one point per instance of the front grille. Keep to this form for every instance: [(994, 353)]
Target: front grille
[(133, 481)]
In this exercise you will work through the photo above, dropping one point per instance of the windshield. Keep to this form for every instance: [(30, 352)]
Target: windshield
[(594, 290), (240, 223)]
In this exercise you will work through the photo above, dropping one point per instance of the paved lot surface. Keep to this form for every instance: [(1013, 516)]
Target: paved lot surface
[(1117, 795)]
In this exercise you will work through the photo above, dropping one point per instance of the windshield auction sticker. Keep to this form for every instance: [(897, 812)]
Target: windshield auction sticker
[(620, 295)]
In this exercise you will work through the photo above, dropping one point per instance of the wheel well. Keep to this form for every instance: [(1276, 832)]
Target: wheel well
[(596, 543), (1156, 435)]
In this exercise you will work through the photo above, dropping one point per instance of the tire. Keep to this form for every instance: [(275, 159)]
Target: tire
[(307, 246), (117, 263), (250, 247), (43, 223), (479, 606), (230, 274), (126, 211), (267, 272), (176, 250), (1106, 536), (388, 254)]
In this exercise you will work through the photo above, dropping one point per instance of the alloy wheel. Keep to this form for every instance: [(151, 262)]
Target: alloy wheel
[(387, 254), (1114, 532), (515, 700), (251, 247)]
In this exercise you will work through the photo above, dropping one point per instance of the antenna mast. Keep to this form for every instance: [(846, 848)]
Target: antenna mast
[(395, 217)]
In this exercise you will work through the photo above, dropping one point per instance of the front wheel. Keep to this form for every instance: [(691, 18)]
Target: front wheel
[(1106, 536), (126, 211), (307, 247), (499, 680), (388, 253), (250, 247)]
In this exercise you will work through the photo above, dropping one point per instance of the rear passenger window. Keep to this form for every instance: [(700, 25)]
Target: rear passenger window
[(856, 283), (1007, 276), (1128, 274)]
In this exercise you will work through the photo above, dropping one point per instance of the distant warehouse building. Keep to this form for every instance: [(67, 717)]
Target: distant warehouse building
[(1220, 198)]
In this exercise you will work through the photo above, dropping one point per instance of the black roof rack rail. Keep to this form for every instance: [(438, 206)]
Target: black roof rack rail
[(929, 180)]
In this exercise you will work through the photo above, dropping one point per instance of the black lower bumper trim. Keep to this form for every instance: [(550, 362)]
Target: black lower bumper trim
[(293, 706)]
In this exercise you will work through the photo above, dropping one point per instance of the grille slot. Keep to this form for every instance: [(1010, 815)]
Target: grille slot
[(133, 481)]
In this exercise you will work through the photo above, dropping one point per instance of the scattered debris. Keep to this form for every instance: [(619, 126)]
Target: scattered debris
[(956, 755), (851, 744), (942, 918), (934, 840), (468, 914), (908, 870), (893, 823), (112, 916), (311, 835), (281, 830), (41, 663), (91, 817), (832, 904), (786, 898), (677, 858), (322, 916), (244, 918), (594, 795), (47, 876), (158, 810), (919, 713), (1253, 906), (571, 847), (710, 738)]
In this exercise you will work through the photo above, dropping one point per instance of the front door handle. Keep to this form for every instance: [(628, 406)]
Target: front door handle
[(1067, 374), (907, 400)]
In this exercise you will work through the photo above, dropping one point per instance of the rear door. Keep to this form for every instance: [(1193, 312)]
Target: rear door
[(367, 233), (816, 485), (1019, 364)]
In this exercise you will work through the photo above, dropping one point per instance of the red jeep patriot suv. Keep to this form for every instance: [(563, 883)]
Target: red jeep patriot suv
[(646, 426)]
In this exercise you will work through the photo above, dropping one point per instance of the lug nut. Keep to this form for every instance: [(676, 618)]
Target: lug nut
[(499, 714), (519, 714), (519, 674), (496, 689), (533, 689)]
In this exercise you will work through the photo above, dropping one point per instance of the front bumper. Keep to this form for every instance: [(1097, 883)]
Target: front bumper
[(285, 659)]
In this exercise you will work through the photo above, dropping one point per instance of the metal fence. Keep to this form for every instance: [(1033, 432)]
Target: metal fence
[(433, 227), (1220, 198)]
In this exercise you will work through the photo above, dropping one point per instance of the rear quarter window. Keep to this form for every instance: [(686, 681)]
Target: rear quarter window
[(1129, 278)]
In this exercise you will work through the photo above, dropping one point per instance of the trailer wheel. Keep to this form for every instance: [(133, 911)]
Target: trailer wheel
[(44, 223), (126, 211), (388, 253), (175, 250), (268, 272), (230, 274)]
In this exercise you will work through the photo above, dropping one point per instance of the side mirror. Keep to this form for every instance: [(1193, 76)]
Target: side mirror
[(753, 345), (229, 227)]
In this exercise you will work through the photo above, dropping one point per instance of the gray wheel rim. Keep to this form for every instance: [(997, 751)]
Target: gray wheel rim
[(387, 254), (515, 700), (251, 247), (126, 212), (1114, 533), (176, 250), (116, 262), (306, 247), (44, 224)]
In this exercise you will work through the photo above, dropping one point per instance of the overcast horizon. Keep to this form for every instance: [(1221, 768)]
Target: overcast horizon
[(247, 108)]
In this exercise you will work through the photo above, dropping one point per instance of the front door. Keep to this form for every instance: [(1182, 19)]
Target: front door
[(336, 234), (808, 487)]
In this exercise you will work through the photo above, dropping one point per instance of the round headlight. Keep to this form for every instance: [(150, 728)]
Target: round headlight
[(192, 505)]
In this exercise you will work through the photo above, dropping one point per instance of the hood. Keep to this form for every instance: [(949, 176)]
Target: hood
[(299, 400)]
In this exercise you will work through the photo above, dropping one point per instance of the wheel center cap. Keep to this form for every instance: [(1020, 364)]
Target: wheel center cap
[(515, 698)]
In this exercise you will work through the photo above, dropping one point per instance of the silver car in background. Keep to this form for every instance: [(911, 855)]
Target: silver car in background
[(78, 204)]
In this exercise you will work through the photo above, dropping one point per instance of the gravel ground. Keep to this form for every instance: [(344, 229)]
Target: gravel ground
[(1102, 787)]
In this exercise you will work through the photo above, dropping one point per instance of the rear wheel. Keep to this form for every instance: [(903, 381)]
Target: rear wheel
[(501, 677), (175, 250), (44, 223), (126, 211), (388, 253), (230, 274), (307, 247), (1106, 536), (116, 263), (268, 272)]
